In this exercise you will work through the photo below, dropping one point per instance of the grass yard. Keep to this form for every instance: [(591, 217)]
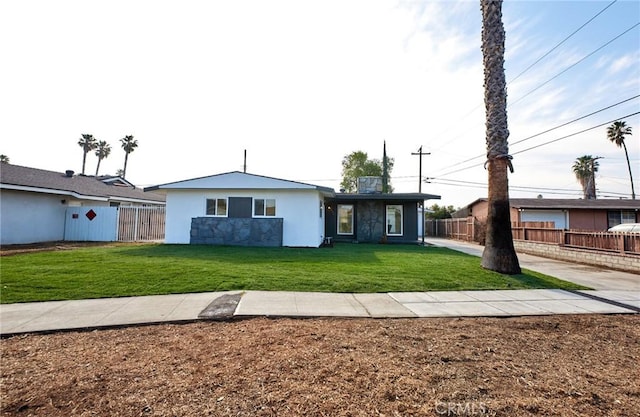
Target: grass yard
[(127, 270)]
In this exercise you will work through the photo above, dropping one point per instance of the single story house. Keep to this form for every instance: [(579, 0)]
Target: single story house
[(34, 202), (237, 208), (575, 214)]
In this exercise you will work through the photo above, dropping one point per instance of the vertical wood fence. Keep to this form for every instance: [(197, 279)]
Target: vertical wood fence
[(471, 230), (141, 224)]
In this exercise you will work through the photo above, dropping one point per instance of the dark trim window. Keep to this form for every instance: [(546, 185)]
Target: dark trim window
[(264, 207), (394, 220), (216, 207), (345, 219), (615, 218)]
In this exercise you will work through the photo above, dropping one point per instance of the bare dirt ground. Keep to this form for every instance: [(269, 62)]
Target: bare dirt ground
[(583, 365), (8, 250)]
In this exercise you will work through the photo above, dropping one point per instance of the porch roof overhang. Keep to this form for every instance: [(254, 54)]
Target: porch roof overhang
[(385, 197)]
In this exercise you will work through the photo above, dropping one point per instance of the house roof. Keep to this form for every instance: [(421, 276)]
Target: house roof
[(385, 196), (18, 177), (237, 180), (564, 203)]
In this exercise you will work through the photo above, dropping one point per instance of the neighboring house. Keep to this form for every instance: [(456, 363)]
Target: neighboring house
[(575, 214), (33, 202), (237, 208)]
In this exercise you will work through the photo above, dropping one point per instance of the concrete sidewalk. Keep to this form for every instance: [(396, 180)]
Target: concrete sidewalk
[(110, 312), (617, 292)]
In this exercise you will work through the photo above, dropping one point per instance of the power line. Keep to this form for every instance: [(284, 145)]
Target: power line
[(536, 62), (546, 143), (575, 120), (573, 65), (576, 133), (553, 128), (563, 41)]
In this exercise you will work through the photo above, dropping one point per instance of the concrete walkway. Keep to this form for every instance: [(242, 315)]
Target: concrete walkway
[(617, 293)]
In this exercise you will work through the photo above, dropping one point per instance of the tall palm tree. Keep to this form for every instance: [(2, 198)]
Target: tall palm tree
[(102, 151), (585, 168), (128, 144), (616, 133), (4, 159), (87, 143), (499, 253)]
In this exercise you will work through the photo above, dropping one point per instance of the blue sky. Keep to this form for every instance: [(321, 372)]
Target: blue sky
[(301, 84)]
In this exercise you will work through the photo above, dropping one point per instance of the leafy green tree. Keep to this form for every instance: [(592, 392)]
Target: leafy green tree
[(499, 253), (102, 152), (616, 133), (439, 212), (4, 159), (585, 168), (129, 144), (88, 143), (357, 164)]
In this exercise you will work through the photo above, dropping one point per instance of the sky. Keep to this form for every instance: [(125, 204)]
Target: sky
[(300, 84)]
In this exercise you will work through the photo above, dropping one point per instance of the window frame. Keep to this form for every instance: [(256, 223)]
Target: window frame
[(350, 222), (216, 207), (387, 219), (266, 212), (616, 217)]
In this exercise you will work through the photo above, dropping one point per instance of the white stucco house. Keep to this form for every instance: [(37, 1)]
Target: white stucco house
[(34, 203), (237, 208), (244, 209)]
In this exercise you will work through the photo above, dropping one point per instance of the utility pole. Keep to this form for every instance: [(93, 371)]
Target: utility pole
[(420, 153)]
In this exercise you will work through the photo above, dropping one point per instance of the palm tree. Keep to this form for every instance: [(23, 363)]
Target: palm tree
[(585, 168), (128, 144), (499, 253), (616, 133), (87, 143), (4, 159), (102, 151)]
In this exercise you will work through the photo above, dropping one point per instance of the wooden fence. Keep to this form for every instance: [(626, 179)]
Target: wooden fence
[(136, 224), (471, 230)]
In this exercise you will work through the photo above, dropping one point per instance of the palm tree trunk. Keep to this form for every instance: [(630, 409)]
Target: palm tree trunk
[(84, 161), (124, 170), (98, 166), (633, 192), (499, 253)]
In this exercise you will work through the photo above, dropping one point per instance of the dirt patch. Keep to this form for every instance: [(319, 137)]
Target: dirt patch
[(552, 366), (8, 250)]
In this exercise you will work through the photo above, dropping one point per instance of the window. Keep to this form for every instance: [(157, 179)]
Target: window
[(618, 217), (394, 220), (216, 207), (345, 219), (264, 207)]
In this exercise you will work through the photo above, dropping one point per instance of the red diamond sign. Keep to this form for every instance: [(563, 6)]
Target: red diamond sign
[(91, 215)]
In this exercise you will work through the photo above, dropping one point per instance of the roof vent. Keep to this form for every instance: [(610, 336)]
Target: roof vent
[(69, 173)]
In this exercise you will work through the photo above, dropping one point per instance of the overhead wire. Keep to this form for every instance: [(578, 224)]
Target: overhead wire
[(536, 62), (550, 129)]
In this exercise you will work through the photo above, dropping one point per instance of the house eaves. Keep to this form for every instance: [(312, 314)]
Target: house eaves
[(52, 191), (385, 196), (237, 180), (82, 187)]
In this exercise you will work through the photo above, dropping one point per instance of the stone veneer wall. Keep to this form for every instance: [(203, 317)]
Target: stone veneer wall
[(612, 260), (236, 231)]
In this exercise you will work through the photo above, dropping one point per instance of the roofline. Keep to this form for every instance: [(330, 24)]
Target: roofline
[(386, 196), (52, 191), (76, 195), (159, 187)]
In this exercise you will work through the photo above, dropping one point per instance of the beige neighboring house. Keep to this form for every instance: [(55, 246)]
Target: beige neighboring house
[(33, 202), (574, 214)]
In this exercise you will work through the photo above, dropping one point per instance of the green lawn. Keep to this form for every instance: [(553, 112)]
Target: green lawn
[(124, 270)]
